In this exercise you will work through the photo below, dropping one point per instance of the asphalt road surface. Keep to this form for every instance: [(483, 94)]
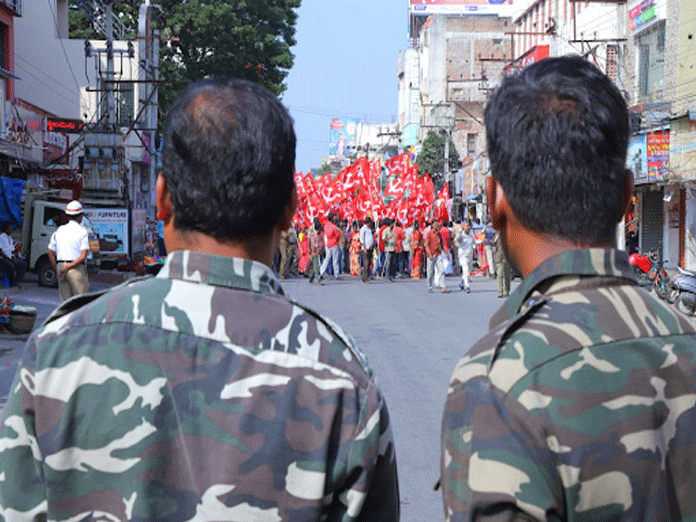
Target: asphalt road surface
[(412, 338)]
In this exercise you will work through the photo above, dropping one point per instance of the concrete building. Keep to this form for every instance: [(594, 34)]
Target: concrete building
[(409, 97), (461, 60)]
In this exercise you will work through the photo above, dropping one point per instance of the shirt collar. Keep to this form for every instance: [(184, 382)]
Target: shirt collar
[(577, 263), (232, 272)]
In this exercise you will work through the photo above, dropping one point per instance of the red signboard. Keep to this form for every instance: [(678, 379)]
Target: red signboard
[(63, 125), (65, 179)]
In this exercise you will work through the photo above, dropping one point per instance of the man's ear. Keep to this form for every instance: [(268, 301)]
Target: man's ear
[(164, 202), (289, 212), (628, 192), (497, 203)]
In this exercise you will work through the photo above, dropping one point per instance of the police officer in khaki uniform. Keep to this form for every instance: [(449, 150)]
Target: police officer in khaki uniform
[(67, 250)]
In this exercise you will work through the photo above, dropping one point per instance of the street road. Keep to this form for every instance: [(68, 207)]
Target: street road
[(412, 339)]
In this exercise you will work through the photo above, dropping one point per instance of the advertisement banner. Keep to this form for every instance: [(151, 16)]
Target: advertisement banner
[(55, 148), (637, 158), (461, 7), (111, 226), (343, 135), (641, 14), (657, 146)]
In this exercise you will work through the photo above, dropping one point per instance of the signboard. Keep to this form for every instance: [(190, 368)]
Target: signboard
[(111, 226), (461, 7), (342, 136), (55, 147), (65, 179), (637, 158), (657, 146), (641, 14), (64, 125)]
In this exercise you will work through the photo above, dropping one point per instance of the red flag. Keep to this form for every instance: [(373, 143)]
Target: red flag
[(355, 176), (398, 165), (444, 192), (395, 188)]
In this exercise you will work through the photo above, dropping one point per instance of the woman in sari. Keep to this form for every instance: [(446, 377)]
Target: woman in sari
[(303, 248), (354, 249), (417, 251)]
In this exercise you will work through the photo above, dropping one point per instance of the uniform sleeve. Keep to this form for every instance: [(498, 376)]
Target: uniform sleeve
[(22, 492), (374, 494), (52, 242), (495, 465)]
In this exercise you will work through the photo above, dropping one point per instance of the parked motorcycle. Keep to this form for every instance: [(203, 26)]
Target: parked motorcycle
[(683, 293), (651, 274)]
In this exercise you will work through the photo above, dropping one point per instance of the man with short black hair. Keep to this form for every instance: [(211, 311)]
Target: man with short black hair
[(202, 393), (580, 403)]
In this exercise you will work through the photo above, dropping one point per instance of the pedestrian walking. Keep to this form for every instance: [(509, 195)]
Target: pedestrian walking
[(464, 241), (435, 264)]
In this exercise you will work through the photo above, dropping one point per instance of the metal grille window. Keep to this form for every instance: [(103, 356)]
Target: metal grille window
[(613, 62), (471, 144)]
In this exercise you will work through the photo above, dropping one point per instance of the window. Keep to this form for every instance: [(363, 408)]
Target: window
[(471, 144)]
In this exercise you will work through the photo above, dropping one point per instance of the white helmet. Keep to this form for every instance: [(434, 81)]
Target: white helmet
[(73, 208)]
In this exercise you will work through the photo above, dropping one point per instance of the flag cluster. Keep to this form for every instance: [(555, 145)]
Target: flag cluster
[(356, 193)]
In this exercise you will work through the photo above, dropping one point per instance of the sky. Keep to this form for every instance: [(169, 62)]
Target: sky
[(345, 66)]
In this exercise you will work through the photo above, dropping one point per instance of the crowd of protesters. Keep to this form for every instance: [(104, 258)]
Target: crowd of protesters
[(389, 250)]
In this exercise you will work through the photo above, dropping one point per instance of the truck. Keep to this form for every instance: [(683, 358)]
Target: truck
[(43, 213)]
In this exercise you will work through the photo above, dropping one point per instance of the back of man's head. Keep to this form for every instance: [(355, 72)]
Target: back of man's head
[(557, 136), (228, 159)]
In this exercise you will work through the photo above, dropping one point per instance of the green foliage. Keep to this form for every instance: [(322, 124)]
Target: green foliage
[(431, 159), (81, 26), (248, 39)]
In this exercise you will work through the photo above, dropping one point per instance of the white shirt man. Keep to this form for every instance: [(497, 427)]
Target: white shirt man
[(465, 248), (367, 241), (67, 250)]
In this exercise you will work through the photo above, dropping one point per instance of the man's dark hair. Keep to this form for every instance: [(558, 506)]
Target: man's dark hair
[(228, 158), (557, 138), (5, 226)]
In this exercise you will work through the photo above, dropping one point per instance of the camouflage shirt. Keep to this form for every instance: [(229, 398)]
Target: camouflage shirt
[(578, 405), (200, 394)]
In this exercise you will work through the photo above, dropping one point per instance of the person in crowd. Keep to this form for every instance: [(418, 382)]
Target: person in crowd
[(316, 249), (464, 240), (417, 246), (406, 245), (332, 235), (67, 251), (389, 239), (202, 393), (367, 246), (489, 246), (10, 259), (580, 402), (381, 253), (303, 250), (435, 263), (399, 236), (354, 251)]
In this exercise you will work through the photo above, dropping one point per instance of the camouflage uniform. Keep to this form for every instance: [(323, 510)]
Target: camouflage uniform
[(578, 404), (200, 394)]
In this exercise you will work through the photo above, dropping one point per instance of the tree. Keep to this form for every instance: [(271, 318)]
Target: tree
[(431, 159), (248, 39)]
